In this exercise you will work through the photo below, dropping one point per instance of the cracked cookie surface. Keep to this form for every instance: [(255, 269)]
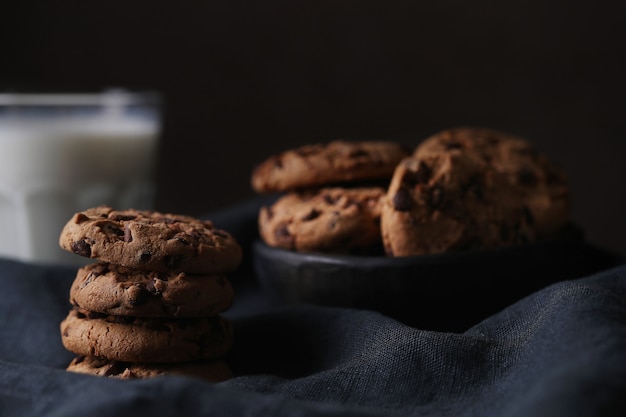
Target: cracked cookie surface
[(472, 188), (117, 290), (130, 339), (329, 163), (150, 240), (331, 220)]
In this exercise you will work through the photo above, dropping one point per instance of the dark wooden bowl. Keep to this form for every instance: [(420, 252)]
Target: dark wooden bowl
[(447, 292)]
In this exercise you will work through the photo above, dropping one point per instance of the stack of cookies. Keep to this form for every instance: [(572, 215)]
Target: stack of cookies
[(332, 195), (151, 303), (462, 188)]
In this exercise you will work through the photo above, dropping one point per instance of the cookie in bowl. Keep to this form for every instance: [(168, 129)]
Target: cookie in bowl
[(324, 164), (330, 220), (539, 181), (472, 188), (466, 208)]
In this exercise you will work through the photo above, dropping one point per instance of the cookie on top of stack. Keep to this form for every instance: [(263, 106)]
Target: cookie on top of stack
[(151, 304), (462, 188), (332, 194)]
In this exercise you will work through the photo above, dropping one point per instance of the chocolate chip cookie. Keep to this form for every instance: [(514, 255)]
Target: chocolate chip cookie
[(331, 220), (134, 339), (117, 290), (325, 164), (151, 241), (215, 370), (471, 188), (542, 184)]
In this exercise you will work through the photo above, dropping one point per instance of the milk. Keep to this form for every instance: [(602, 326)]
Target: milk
[(58, 159)]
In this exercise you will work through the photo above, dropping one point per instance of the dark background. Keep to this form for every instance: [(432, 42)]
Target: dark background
[(245, 79)]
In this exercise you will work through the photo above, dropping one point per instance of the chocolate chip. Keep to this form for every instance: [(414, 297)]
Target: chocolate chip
[(451, 145), (173, 261), (435, 197), (284, 237), (333, 222), (282, 232), (128, 236), (123, 217), (358, 153), (80, 217), (151, 287), (145, 256), (114, 369), (196, 235), (138, 295), (92, 275), (475, 186), (311, 215), (329, 199), (138, 298), (402, 200), (81, 247), (420, 176), (111, 229), (526, 176)]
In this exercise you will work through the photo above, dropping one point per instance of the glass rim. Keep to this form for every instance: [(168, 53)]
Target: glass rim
[(109, 97)]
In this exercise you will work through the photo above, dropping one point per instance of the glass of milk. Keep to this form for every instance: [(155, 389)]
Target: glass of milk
[(63, 153)]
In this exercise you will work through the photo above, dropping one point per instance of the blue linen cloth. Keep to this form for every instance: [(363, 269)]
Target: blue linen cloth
[(560, 351)]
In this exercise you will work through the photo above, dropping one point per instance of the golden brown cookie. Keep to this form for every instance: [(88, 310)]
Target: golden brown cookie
[(117, 290), (215, 370), (132, 339), (151, 241), (331, 220), (329, 163), (471, 188)]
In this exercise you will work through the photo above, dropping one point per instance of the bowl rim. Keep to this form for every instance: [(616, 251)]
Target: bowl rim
[(570, 234)]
